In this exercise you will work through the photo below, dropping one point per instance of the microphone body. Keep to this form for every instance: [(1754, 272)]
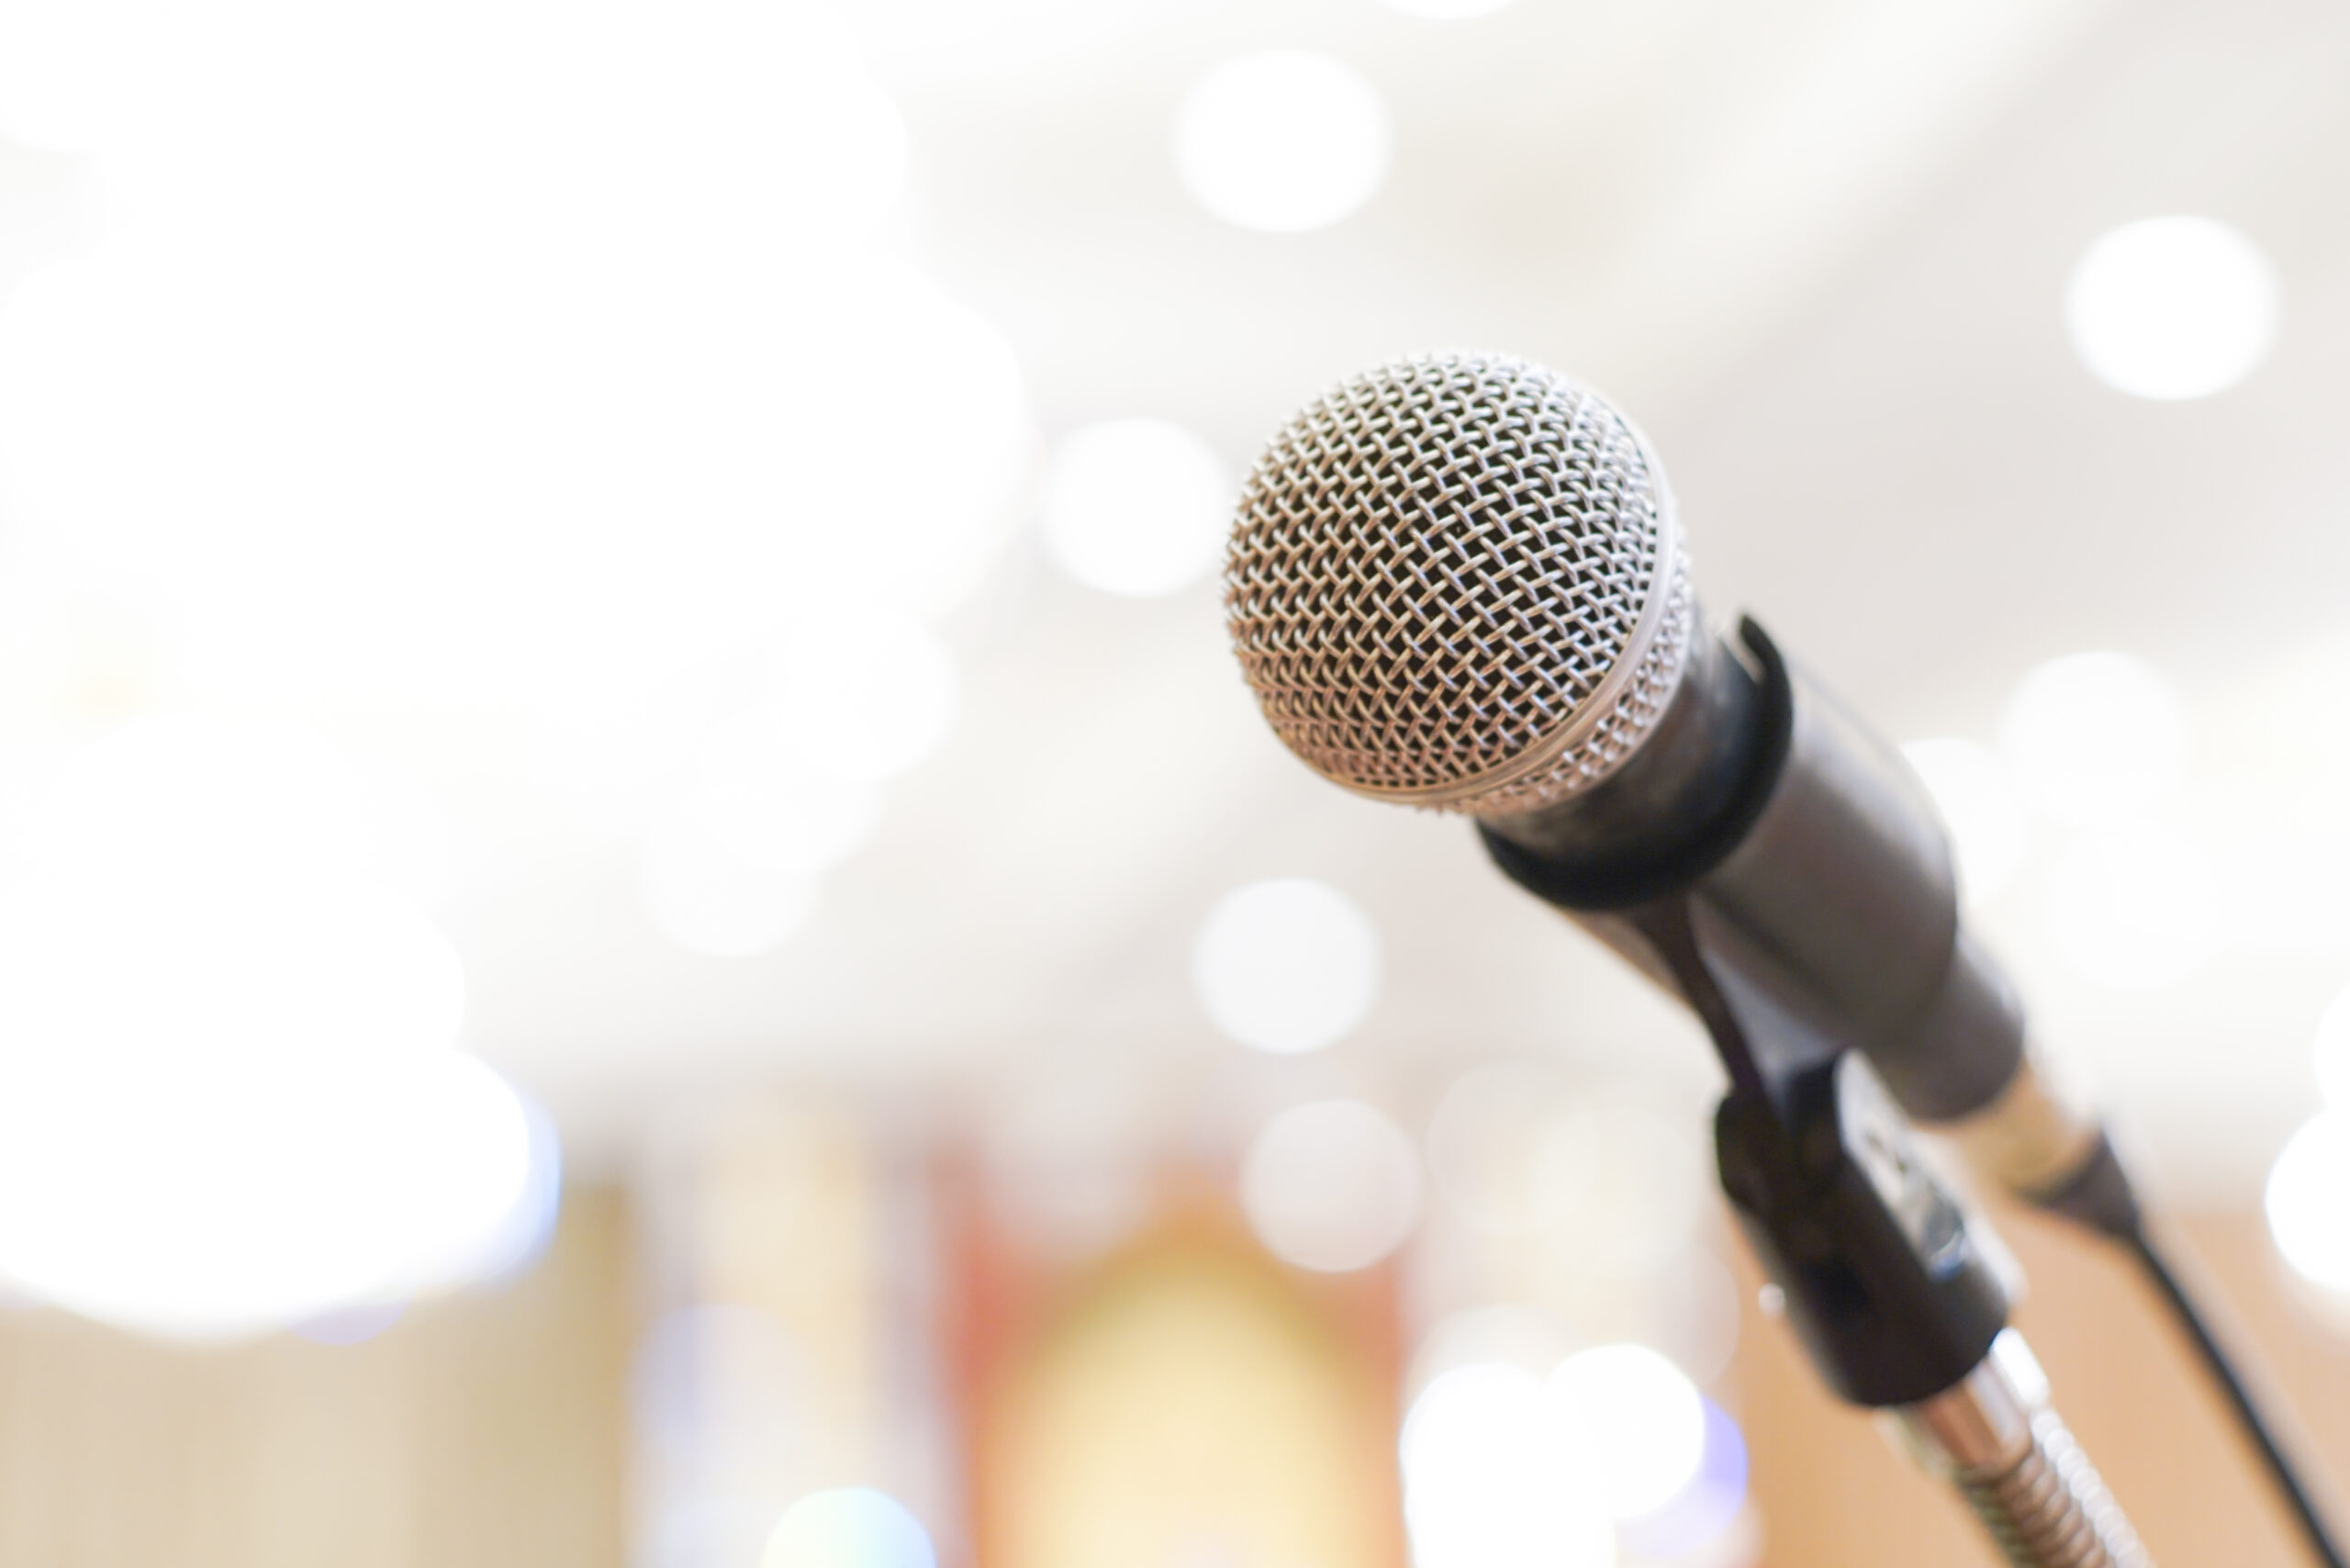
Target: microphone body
[(1817, 875), (1457, 582)]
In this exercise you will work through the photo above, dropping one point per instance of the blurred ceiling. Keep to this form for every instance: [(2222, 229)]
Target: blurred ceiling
[(1816, 249)]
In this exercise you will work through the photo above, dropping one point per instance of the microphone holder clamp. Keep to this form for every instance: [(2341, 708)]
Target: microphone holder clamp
[(1888, 1281)]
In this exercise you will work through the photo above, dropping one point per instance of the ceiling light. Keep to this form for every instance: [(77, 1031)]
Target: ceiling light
[(1285, 140), (2171, 307)]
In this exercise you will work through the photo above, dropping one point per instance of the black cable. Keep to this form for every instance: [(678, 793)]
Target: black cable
[(2224, 1373)]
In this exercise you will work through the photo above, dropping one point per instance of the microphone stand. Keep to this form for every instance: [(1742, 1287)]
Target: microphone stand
[(1885, 1278)]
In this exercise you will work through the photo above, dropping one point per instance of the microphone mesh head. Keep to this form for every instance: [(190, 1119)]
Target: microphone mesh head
[(1456, 581)]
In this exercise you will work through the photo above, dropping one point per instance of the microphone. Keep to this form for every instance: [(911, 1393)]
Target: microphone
[(1457, 582)]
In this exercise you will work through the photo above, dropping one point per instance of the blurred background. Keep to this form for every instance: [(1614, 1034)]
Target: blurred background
[(642, 921)]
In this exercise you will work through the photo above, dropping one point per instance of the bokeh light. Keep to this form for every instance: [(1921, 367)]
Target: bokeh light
[(228, 1089), (1496, 1475), (2171, 307), (2094, 737), (1135, 505), (1980, 806), (584, 435), (205, 1197), (521, 1235), (1646, 1422), (1513, 1333), (863, 693), (2307, 1211), (758, 792), (1704, 1511), (705, 896), (2131, 908), (1287, 965), (194, 799), (1332, 1187), (849, 1527), (1516, 1147), (1284, 140)]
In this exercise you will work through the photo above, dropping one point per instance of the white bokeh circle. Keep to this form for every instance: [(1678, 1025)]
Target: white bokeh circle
[(2094, 737), (1331, 1186), (2171, 307), (1135, 505), (2307, 1215), (1284, 140), (1497, 1475), (1287, 965), (1645, 1421)]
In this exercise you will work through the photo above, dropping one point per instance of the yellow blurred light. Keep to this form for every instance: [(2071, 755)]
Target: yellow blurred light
[(1189, 1400)]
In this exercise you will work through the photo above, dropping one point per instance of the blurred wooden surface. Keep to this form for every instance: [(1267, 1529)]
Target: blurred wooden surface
[(485, 1430), (1833, 1492)]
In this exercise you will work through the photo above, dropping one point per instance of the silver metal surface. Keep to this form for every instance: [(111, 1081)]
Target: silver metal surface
[(1996, 1439), (1457, 581)]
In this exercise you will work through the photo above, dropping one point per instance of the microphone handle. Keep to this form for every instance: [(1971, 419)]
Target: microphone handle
[(1816, 871)]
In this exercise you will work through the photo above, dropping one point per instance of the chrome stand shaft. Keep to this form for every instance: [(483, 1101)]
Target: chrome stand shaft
[(1995, 1437)]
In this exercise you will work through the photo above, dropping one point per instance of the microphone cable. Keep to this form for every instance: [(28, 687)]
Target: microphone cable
[(2157, 1267)]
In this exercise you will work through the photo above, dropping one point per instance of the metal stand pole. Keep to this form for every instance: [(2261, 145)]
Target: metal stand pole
[(1995, 1438)]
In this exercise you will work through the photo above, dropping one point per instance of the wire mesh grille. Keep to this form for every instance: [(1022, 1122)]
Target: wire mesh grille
[(1454, 581)]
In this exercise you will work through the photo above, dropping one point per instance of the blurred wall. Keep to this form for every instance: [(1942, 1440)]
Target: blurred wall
[(488, 1429)]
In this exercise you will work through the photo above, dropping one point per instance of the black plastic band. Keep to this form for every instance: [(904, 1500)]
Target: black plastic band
[(1602, 884)]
